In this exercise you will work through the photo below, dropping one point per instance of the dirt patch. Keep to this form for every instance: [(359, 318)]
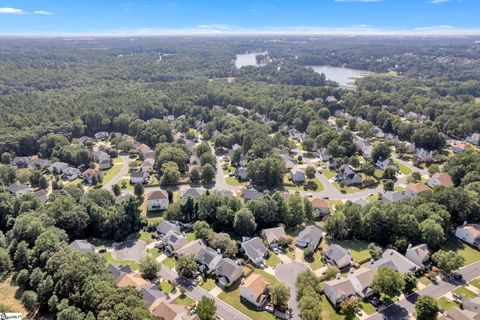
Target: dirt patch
[(10, 297)]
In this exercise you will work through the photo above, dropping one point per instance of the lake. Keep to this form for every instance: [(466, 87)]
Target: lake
[(248, 59), (344, 76)]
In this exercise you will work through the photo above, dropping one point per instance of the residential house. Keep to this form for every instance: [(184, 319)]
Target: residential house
[(169, 118), (348, 175), (338, 256), (410, 147), (117, 271), (139, 177), (393, 196), (364, 146), (101, 136), (57, 167), (21, 162), (103, 159), (255, 290), (472, 304), (191, 192), (338, 290), (412, 115), (251, 194), (133, 279), (414, 189), (470, 233), (157, 200), (89, 174), (18, 189), (456, 313), (384, 164), (147, 165), (419, 254), (225, 193), (208, 259), (228, 273), (361, 280), (166, 310), (423, 155), (255, 250), (440, 179), (165, 227), (321, 207), (474, 139), (323, 154), (309, 237), (461, 146), (295, 134), (274, 236), (70, 173), (191, 248), (241, 173), (173, 241), (40, 163), (392, 259), (41, 195), (146, 151), (298, 176), (82, 246), (331, 99), (152, 293)]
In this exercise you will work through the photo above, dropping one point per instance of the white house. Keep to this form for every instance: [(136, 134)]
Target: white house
[(139, 177), (338, 290), (470, 233), (320, 207), (298, 176), (419, 254), (157, 200), (255, 290)]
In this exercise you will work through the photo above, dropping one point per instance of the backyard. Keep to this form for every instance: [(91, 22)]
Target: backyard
[(470, 254), (358, 248)]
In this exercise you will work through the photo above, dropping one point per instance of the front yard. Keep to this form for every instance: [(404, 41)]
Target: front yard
[(233, 299), (465, 293), (273, 260), (470, 254), (110, 260), (169, 262), (446, 304), (112, 172)]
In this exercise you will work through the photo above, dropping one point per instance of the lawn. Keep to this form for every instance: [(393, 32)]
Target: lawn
[(273, 260), (373, 198), (169, 262), (209, 284), (317, 261), (465, 293), (425, 281), (184, 300), (112, 172), (154, 252), (271, 279), (10, 297), (446, 304), (368, 308), (378, 173), (310, 184), (110, 260), (153, 216), (328, 312), (117, 160), (73, 182), (346, 189), (398, 189), (144, 236), (234, 182), (403, 168), (475, 283), (165, 286), (233, 299), (471, 255), (358, 248), (329, 173)]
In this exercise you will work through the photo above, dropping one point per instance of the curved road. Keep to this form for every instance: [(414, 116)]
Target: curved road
[(287, 273), (118, 177)]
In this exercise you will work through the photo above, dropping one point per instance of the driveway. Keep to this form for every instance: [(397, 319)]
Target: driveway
[(287, 273), (129, 250), (406, 306)]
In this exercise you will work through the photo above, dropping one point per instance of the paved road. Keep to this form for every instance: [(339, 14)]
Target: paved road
[(406, 306), (224, 310), (118, 177), (287, 273)]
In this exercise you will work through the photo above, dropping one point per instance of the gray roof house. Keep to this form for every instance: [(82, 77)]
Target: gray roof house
[(191, 192), (309, 237), (392, 259), (339, 256), (323, 154), (298, 176), (82, 246), (165, 227), (191, 248), (255, 250), (103, 159), (338, 290), (173, 241), (41, 195), (241, 173), (361, 280), (251, 194), (57, 167), (208, 259), (384, 164), (393, 196), (40, 163), (274, 236), (419, 254), (118, 270), (152, 293), (21, 162), (348, 175), (101, 136), (228, 272), (70, 173), (18, 189)]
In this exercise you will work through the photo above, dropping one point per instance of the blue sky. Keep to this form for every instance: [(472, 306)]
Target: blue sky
[(241, 16)]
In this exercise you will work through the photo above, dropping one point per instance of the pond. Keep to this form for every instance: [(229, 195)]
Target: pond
[(343, 76), (248, 59)]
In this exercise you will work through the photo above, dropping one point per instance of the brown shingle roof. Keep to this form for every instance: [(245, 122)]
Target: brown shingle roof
[(158, 194), (319, 203), (257, 284), (444, 179), (417, 187)]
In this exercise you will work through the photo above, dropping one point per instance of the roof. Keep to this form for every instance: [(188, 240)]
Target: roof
[(158, 195), (312, 235), (473, 229), (175, 239), (274, 234), (339, 254), (320, 203), (151, 294), (82, 246), (165, 226), (141, 174), (14, 188), (229, 269), (191, 248), (118, 270), (392, 259), (421, 251), (456, 313), (364, 276), (166, 310), (41, 195), (208, 257), (192, 192), (255, 249), (257, 284), (225, 193), (341, 288), (443, 178), (131, 280), (416, 187), (252, 194), (393, 196)]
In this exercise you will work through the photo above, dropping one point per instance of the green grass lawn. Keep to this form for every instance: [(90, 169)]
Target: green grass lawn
[(465, 293), (73, 182), (190, 236), (368, 308), (446, 304), (209, 284), (110, 260), (398, 189), (358, 248), (112, 172), (154, 252), (403, 168), (184, 300), (475, 283), (470, 254), (166, 287), (347, 188), (273, 260), (328, 312), (317, 261), (425, 281), (378, 173), (309, 185), (373, 198), (169, 262), (233, 299), (234, 182), (329, 173), (117, 160)]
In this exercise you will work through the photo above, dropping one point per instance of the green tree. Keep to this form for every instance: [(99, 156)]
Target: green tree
[(375, 251), (208, 173), (186, 266), (244, 222), (149, 267), (206, 309), (410, 282), (389, 185), (348, 307), (5, 261), (448, 261), (43, 183), (389, 173), (170, 174), (116, 190), (308, 253), (432, 233), (30, 301), (194, 174), (310, 172), (279, 294), (324, 113), (388, 282), (331, 272), (380, 151), (426, 308), (295, 213), (310, 307), (138, 190), (201, 229)]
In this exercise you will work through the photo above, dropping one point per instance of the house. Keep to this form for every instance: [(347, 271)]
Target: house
[(191, 192), (21, 162), (103, 159), (70, 173), (146, 151), (124, 197), (133, 279), (393, 196), (139, 177), (274, 236), (117, 270), (364, 146), (89, 174), (309, 237), (321, 207), (384, 164), (474, 139), (251, 194), (169, 118), (456, 313), (241, 173), (147, 165), (166, 310), (157, 200), (255, 290), (41, 195), (191, 248), (361, 280), (423, 155), (57, 167), (173, 241), (472, 304), (255, 250), (460, 146), (392, 259), (208, 259), (470, 233), (348, 175), (339, 256), (101, 136), (298, 176), (18, 189), (323, 154), (228, 273), (84, 140), (40, 163), (82, 246), (440, 179), (165, 227), (412, 115), (225, 193), (295, 134), (409, 147), (419, 254), (338, 290), (151, 294), (331, 99), (414, 189)]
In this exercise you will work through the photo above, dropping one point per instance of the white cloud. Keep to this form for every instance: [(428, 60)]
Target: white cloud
[(11, 11), (438, 1), (43, 12), (365, 1)]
